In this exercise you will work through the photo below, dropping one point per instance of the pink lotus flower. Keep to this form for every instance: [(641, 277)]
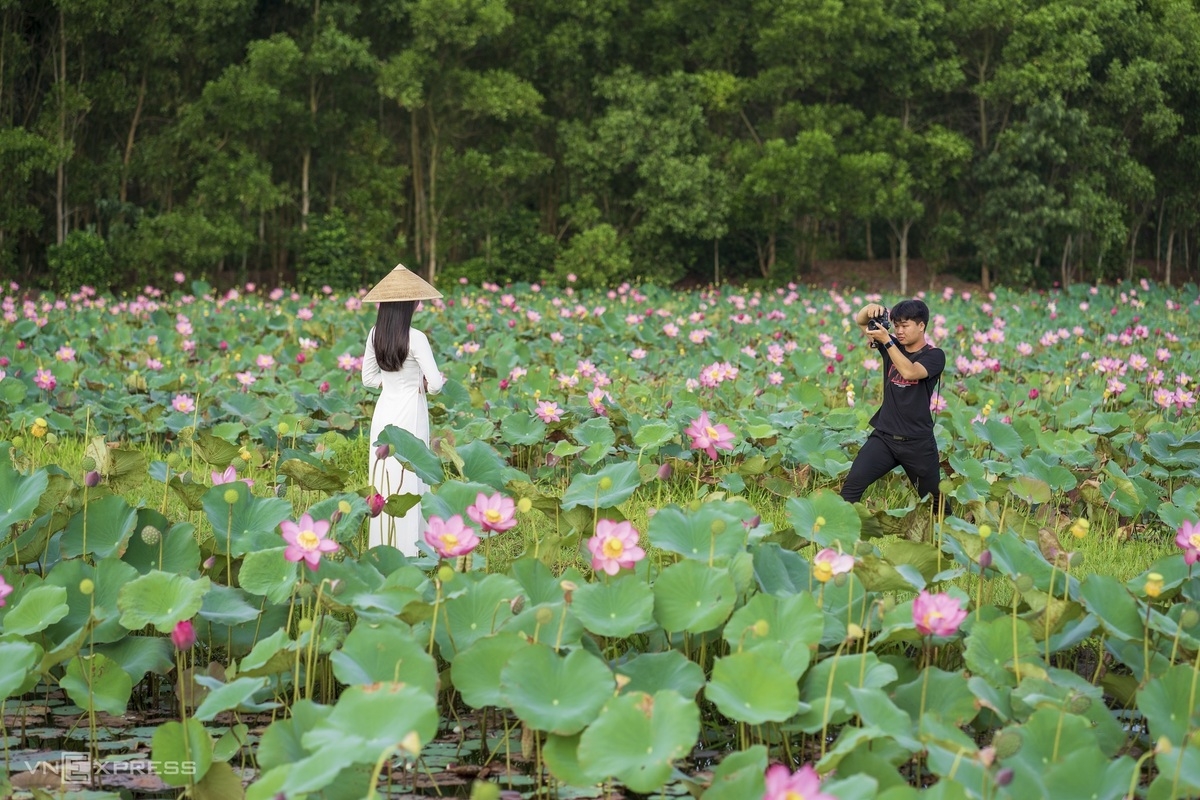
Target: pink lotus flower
[(306, 540), (450, 537), (803, 784), (183, 635), (1188, 538), (614, 547), (496, 513), (183, 403), (829, 562), (375, 503), (229, 476), (937, 614), (65, 353), (709, 437), (548, 411), (5, 590), (44, 379)]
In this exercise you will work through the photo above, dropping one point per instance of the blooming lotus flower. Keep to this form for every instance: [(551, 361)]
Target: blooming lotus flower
[(830, 562), (614, 547), (306, 540), (184, 635), (450, 537), (803, 784), (496, 513), (229, 476), (5, 590), (183, 403), (937, 614), (44, 379), (548, 411), (709, 437), (1188, 538)]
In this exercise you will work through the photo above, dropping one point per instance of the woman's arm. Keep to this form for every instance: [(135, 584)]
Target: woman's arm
[(372, 376), (420, 350)]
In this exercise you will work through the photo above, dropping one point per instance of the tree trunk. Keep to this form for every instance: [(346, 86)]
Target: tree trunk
[(1162, 210), (418, 182), (985, 277), (716, 261), (1064, 267), (129, 140), (904, 257), (60, 176), (305, 166), (1170, 251), (870, 245), (1137, 229)]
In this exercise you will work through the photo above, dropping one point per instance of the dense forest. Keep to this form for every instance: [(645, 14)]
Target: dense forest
[(320, 141)]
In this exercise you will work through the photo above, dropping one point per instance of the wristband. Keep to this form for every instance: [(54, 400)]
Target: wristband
[(889, 344)]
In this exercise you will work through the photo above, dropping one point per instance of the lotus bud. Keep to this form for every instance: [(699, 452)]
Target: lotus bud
[(375, 503), (985, 531), (230, 496), (1154, 584), (664, 471), (985, 559), (445, 573), (717, 527), (383, 451), (92, 479), (151, 535), (516, 604), (568, 588), (1162, 746), (324, 387), (86, 586), (210, 562), (1024, 583), (544, 616), (840, 579), (753, 522), (606, 483), (524, 505), (1004, 777), (184, 635), (1007, 743), (987, 756), (761, 628)]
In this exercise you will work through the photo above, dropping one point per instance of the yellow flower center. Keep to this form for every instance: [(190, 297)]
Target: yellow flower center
[(1195, 540), (822, 571), (613, 547), (449, 540), (930, 616), (793, 795), (491, 515), (711, 432), (308, 540)]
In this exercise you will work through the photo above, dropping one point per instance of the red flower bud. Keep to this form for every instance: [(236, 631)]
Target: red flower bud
[(184, 635), (383, 451), (1033, 394), (92, 479), (375, 503)]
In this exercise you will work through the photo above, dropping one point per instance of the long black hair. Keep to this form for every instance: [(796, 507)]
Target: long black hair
[(391, 333)]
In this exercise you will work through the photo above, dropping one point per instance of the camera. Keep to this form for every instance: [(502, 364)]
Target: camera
[(882, 321)]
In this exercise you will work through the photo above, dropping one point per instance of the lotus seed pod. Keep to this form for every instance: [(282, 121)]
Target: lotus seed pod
[(761, 628), (231, 496), (945, 486), (92, 479), (1079, 704), (87, 463), (1080, 527), (51, 438), (1189, 618), (1004, 777), (1154, 584), (840, 579), (1024, 583), (305, 625), (985, 531), (445, 573), (151, 535), (854, 632), (887, 604), (174, 459), (305, 590), (1163, 746), (283, 428), (86, 586), (524, 505), (344, 507), (820, 523), (1007, 743), (717, 527), (605, 483), (18, 441), (544, 616), (694, 506)]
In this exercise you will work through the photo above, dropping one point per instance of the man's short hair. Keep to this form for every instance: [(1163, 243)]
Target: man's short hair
[(914, 310)]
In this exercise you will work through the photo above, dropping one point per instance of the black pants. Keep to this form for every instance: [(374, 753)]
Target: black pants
[(882, 453)]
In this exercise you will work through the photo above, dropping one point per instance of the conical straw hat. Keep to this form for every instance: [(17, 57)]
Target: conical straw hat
[(401, 284)]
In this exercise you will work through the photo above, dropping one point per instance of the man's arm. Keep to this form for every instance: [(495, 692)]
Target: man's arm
[(909, 370), (868, 313)]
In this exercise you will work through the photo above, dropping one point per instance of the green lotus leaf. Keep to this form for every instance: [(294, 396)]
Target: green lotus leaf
[(37, 609), (267, 573), (100, 529), (248, 524), (608, 488), (368, 721), (384, 653), (481, 608), (842, 525), (739, 775), (619, 608), (181, 757), (693, 597), (555, 693), (654, 672), (476, 670), (18, 657), (713, 531), (637, 737), (19, 494), (161, 600), (794, 622), (753, 686)]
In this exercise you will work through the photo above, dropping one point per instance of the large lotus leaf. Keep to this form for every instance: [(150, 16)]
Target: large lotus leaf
[(413, 453), (478, 610), (1119, 612), (226, 606), (219, 783), (1169, 703), (620, 607), (38, 608), (597, 438), (693, 597), (280, 744), (713, 531), (157, 544), (998, 649), (753, 686), (320, 477), (246, 525), (652, 435), (1014, 556), (100, 529), (637, 737), (553, 693), (161, 600), (1001, 437), (825, 691), (608, 488), (180, 756), (475, 670), (564, 629), (522, 428), (561, 754), (368, 721), (792, 621), (236, 694), (876, 710), (842, 525), (653, 672), (268, 574), (540, 585), (384, 653), (107, 578), (740, 775), (138, 655), (216, 452), (482, 464), (1059, 757), (781, 571), (1183, 762), (18, 658), (943, 693), (19, 494)]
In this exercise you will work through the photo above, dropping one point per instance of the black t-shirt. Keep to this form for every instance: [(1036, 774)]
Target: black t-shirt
[(905, 408)]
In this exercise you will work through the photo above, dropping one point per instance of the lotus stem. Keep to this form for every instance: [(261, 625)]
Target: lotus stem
[(828, 696), (383, 757)]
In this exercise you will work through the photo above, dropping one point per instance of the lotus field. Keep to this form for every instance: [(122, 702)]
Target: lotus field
[(639, 578)]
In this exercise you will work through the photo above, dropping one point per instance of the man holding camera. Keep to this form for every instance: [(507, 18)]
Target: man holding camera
[(903, 434)]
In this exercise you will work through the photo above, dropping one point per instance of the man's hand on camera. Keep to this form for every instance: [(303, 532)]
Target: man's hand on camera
[(868, 313), (879, 335)]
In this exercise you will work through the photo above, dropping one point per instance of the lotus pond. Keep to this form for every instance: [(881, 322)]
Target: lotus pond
[(641, 581)]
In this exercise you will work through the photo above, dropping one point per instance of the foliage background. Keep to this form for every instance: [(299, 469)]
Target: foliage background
[(1016, 141)]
